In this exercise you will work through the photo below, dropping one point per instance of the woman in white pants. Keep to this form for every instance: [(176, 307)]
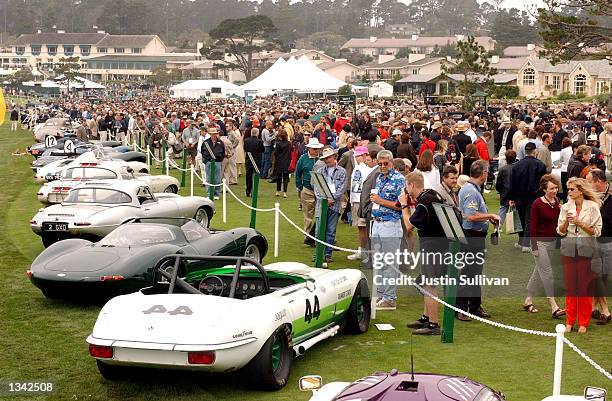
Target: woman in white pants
[(544, 216)]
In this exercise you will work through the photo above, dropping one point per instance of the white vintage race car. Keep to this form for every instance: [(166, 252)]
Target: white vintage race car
[(95, 208), (54, 170), (56, 191), (225, 318)]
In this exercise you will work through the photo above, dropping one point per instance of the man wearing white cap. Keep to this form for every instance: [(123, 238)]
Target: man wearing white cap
[(303, 169), (336, 179), (358, 177)]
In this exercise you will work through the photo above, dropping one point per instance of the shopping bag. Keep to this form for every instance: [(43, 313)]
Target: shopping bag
[(513, 222)]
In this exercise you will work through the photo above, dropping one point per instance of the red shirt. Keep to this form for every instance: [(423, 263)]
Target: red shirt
[(384, 134), (543, 225), (427, 144), (483, 149), (340, 123)]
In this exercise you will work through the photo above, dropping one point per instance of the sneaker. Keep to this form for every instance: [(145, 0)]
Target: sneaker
[(284, 194), (525, 249), (328, 259), (354, 256), (463, 317), (480, 312), (386, 305), (429, 330), (418, 324), (277, 194), (300, 206), (518, 246), (216, 198)]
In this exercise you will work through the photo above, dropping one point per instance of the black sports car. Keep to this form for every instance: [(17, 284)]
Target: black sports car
[(123, 261)]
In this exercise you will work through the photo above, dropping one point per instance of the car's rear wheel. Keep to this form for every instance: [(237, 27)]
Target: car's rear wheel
[(171, 189), (270, 368), (358, 315), (252, 251), (201, 216)]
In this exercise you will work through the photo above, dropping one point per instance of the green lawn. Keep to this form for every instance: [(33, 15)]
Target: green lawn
[(44, 339)]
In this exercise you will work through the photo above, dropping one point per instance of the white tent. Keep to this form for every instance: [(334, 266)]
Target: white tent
[(294, 75), (380, 89), (61, 83), (196, 88)]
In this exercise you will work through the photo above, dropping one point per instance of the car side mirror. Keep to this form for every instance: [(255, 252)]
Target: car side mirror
[(310, 383), (595, 394)]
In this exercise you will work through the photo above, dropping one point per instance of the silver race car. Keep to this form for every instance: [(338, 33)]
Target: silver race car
[(95, 208)]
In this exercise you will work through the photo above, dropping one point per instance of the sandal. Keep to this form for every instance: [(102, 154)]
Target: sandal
[(530, 308), (558, 313), (604, 319)]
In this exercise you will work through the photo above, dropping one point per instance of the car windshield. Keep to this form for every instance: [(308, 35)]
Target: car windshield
[(138, 235), (98, 195), (55, 122), (89, 173), (194, 231)]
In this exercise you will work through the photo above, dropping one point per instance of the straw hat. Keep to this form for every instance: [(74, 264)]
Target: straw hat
[(314, 143), (328, 152)]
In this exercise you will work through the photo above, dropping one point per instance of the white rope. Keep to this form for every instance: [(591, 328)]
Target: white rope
[(588, 359), (337, 248), (247, 205), (204, 181), (517, 329)]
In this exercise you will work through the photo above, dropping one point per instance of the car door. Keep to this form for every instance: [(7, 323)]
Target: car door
[(153, 207)]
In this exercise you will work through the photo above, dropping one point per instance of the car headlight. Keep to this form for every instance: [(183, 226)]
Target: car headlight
[(486, 394)]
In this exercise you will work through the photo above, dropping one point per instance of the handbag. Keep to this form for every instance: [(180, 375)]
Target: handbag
[(513, 222), (294, 158)]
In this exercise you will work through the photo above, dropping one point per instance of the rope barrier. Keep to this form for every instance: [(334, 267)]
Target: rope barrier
[(516, 329), (315, 238), (246, 205)]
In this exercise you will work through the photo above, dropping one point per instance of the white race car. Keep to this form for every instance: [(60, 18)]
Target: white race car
[(228, 318), (56, 191), (95, 208), (54, 170)]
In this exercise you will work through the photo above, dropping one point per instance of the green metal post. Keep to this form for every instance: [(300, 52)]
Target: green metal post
[(254, 194), (321, 229), (211, 189), (450, 297), (163, 155), (184, 167)]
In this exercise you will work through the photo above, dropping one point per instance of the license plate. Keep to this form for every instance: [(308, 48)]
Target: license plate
[(53, 226)]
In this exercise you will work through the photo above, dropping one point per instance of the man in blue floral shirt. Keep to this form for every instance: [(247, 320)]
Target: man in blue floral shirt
[(386, 234), (336, 179)]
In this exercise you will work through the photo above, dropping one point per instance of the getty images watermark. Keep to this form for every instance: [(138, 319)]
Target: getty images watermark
[(433, 268)]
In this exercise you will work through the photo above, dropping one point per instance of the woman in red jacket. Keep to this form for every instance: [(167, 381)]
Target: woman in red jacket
[(543, 231)]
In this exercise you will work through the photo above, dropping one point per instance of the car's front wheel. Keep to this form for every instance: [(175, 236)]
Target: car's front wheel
[(201, 216), (270, 368), (252, 251), (358, 316)]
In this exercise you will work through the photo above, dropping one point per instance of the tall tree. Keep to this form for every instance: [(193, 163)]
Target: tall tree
[(513, 28), (573, 28), (68, 68), (240, 38), (474, 67)]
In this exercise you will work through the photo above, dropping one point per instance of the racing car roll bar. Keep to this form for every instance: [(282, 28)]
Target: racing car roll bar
[(178, 258)]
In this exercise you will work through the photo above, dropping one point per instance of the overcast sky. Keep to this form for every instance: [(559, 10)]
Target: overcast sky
[(521, 4)]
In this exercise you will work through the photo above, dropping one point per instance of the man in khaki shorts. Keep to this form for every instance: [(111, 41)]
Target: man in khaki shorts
[(360, 173)]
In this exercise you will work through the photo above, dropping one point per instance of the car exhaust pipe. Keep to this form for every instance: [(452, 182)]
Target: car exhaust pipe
[(303, 347)]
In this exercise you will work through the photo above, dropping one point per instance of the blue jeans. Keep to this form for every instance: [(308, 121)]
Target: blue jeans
[(267, 161), (330, 232), (503, 210), (217, 177), (386, 237)]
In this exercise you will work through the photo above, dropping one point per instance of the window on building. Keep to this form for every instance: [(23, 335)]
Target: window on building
[(579, 84), (602, 88), (136, 50), (415, 71), (20, 50), (102, 49), (85, 50), (35, 50), (51, 50), (546, 80), (528, 77), (556, 82), (68, 50), (119, 50)]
